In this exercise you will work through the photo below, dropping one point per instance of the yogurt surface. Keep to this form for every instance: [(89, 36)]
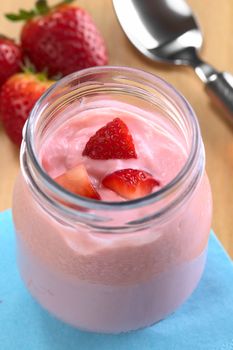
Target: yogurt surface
[(160, 150)]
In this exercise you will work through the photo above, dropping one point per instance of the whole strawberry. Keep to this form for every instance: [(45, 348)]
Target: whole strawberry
[(17, 97), (10, 58), (61, 39)]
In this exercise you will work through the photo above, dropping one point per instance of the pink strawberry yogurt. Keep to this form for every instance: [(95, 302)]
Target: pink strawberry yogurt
[(105, 269)]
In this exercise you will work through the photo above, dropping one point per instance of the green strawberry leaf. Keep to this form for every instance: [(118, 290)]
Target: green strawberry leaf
[(42, 7), (28, 66), (12, 17), (21, 16)]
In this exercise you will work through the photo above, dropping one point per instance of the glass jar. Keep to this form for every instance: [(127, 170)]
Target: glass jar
[(111, 266)]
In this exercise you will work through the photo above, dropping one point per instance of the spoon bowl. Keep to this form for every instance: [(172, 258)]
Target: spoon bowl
[(167, 31)]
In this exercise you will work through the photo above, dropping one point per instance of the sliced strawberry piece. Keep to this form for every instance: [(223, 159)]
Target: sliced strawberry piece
[(130, 183), (113, 141), (76, 180)]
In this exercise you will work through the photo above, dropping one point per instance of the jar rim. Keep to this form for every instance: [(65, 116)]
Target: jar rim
[(113, 205)]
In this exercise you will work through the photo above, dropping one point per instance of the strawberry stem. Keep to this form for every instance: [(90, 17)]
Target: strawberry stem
[(30, 69), (41, 8), (28, 66), (42, 76)]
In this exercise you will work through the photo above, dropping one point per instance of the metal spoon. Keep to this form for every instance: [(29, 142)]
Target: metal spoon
[(166, 30)]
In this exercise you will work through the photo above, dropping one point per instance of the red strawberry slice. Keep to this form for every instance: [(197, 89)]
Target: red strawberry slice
[(76, 180), (130, 183), (113, 141)]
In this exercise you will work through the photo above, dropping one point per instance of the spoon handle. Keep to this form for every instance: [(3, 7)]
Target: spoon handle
[(220, 87)]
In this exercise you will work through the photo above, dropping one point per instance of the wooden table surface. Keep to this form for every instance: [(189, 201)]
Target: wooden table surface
[(216, 22)]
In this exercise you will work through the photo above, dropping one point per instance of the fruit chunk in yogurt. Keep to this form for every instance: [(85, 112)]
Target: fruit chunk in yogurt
[(118, 161)]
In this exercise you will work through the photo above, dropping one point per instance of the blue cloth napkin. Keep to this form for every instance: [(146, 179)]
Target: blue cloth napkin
[(204, 322)]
